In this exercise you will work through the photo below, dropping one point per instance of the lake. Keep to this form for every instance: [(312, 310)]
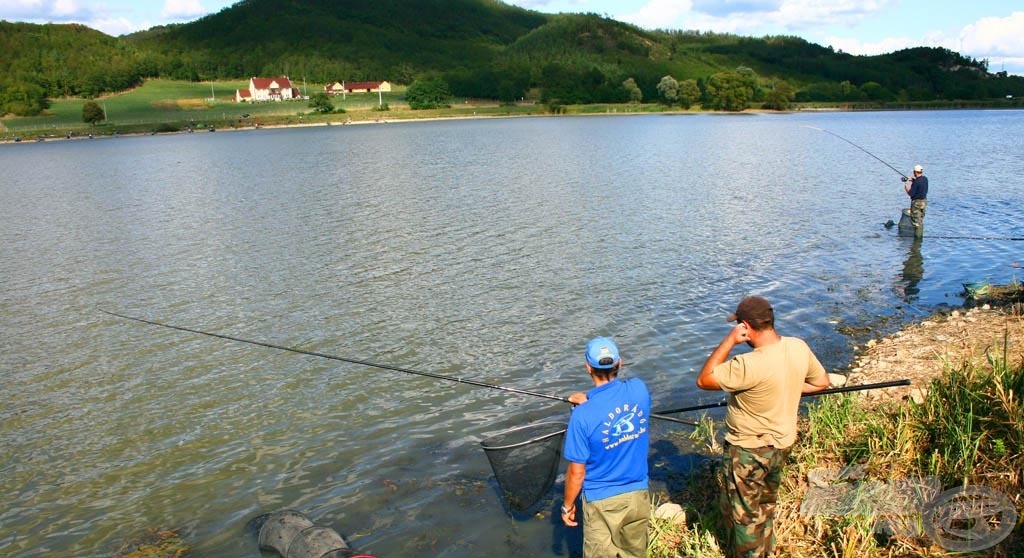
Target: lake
[(484, 249)]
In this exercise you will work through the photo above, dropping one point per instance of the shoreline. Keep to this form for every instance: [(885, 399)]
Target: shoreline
[(384, 120), (248, 128), (923, 350)]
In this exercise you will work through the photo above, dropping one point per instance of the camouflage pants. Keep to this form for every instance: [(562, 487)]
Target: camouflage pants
[(751, 488), (917, 208)]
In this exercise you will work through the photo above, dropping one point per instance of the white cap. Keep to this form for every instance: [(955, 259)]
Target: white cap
[(918, 168)]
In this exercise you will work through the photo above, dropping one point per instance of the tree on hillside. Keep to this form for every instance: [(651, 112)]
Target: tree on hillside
[(321, 103), (668, 88), (689, 93), (635, 94), (92, 113), (22, 99), (779, 96), (428, 93), (876, 92), (729, 91)]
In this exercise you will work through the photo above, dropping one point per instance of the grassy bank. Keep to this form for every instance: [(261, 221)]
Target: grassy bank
[(863, 460), (160, 105), (169, 105)]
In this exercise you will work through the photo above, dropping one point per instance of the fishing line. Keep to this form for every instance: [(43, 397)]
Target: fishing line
[(861, 148), (367, 363), (1015, 238), (893, 383)]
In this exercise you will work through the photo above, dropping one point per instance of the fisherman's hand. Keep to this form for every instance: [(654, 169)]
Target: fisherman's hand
[(739, 334), (569, 518), (578, 398)]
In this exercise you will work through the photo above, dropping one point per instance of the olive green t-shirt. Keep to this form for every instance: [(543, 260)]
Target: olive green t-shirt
[(764, 387)]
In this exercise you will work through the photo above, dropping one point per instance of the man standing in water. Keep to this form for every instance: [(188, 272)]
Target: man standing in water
[(764, 386), (606, 445), (917, 189)]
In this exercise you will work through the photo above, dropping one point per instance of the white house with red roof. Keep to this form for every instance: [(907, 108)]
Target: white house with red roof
[(268, 89)]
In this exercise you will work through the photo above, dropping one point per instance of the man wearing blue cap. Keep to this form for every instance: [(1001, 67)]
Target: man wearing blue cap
[(606, 445)]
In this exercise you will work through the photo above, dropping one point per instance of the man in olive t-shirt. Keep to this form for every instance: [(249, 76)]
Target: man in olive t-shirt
[(764, 386)]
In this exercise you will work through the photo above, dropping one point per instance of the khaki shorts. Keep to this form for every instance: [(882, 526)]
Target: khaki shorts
[(617, 526)]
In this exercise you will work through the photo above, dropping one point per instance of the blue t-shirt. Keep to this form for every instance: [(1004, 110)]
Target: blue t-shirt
[(609, 435), (919, 188)]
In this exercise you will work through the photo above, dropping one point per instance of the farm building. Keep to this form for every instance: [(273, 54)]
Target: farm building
[(340, 87), (268, 89)]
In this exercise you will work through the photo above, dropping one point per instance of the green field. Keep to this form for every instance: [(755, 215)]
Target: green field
[(166, 104)]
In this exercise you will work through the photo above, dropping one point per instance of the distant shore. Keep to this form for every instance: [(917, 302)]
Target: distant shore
[(486, 111)]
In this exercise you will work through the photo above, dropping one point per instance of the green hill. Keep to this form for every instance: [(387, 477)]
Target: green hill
[(327, 40), (481, 48)]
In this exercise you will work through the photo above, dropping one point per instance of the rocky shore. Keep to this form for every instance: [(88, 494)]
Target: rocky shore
[(921, 351)]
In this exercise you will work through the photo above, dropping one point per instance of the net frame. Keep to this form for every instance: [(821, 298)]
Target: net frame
[(525, 461)]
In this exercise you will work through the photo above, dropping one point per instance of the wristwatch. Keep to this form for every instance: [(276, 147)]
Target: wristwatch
[(565, 510)]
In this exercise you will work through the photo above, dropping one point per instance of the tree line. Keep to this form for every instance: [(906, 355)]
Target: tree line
[(479, 48)]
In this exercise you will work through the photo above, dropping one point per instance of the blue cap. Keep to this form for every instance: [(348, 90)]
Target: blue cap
[(602, 354)]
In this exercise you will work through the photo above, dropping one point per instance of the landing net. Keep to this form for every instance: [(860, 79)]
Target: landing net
[(525, 461)]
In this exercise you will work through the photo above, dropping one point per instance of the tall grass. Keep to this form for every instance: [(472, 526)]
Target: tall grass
[(969, 430)]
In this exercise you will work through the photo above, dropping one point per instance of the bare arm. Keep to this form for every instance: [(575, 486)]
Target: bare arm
[(737, 335), (816, 384), (573, 485)]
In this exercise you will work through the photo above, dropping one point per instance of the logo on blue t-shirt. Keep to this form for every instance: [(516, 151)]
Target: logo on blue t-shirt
[(623, 425)]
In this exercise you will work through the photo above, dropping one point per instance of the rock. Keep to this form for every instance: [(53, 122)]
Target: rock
[(671, 512), (917, 395), (836, 380)]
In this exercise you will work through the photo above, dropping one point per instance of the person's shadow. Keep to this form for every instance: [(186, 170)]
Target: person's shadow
[(913, 271), (566, 541)]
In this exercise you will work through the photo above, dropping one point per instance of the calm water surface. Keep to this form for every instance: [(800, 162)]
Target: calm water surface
[(489, 249)]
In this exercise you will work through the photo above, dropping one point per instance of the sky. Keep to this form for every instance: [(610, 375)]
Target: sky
[(990, 30)]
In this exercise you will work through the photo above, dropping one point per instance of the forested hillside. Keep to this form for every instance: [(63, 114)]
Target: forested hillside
[(480, 48)]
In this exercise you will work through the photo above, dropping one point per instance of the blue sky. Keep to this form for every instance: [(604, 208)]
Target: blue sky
[(982, 29)]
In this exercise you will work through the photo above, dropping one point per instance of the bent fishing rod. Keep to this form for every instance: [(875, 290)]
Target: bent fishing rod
[(905, 177), (844, 389), (369, 364)]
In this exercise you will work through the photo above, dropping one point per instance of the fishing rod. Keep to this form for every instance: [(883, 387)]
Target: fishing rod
[(893, 383), (905, 177), (369, 364)]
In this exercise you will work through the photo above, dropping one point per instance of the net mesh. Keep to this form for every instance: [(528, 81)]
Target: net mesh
[(525, 461)]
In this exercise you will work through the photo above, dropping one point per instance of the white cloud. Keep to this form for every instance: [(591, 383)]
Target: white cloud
[(659, 14), (116, 26), (182, 9), (998, 40), (754, 17), (810, 14), (854, 46), (65, 8), (45, 10), (16, 10), (991, 37)]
